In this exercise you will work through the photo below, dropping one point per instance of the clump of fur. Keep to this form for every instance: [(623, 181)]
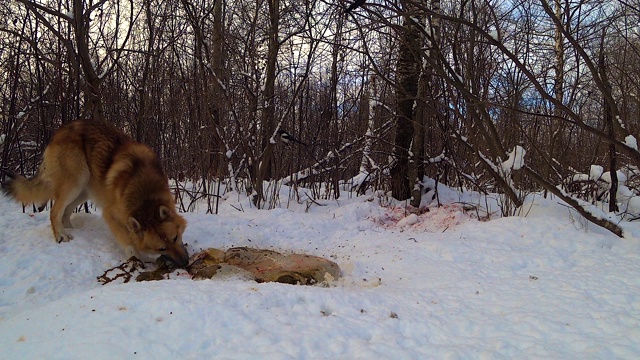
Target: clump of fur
[(28, 191)]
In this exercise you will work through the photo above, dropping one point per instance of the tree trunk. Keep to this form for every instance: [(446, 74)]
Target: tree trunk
[(408, 72), (92, 82), (426, 109), (608, 118), (557, 125), (332, 112), (268, 113)]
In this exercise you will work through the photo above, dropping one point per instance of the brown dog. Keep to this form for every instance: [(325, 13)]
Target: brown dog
[(93, 160)]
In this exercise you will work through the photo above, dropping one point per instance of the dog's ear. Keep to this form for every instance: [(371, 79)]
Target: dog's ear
[(164, 213), (133, 225)]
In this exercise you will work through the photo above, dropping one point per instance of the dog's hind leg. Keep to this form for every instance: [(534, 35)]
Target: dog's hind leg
[(69, 175), (65, 195), (66, 217)]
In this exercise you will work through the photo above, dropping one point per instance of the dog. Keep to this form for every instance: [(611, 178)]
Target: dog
[(88, 159)]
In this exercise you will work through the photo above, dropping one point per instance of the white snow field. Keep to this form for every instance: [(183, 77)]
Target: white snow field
[(439, 285)]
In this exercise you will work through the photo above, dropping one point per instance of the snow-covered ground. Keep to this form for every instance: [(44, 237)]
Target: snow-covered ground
[(438, 285)]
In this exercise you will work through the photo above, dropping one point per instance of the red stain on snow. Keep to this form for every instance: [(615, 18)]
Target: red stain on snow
[(429, 219)]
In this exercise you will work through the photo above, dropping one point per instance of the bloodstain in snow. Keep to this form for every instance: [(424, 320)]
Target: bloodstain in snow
[(432, 219)]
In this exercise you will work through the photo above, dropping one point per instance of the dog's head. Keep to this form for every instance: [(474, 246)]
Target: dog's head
[(160, 233)]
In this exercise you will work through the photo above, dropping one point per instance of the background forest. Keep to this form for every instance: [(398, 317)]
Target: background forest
[(500, 97)]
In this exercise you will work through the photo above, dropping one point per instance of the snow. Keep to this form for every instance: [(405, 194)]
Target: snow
[(619, 119), (515, 160), (442, 285), (356, 181), (631, 142), (494, 34), (440, 158), (606, 176), (627, 200), (595, 172), (410, 220)]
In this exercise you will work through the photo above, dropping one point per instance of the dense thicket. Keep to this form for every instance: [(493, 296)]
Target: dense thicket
[(380, 96)]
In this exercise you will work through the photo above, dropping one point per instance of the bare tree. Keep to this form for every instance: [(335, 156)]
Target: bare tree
[(209, 84), (408, 73)]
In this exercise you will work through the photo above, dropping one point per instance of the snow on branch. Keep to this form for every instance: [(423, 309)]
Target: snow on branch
[(515, 160), (595, 186), (501, 174), (587, 210)]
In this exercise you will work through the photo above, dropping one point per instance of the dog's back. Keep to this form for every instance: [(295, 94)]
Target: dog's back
[(81, 149), (117, 165)]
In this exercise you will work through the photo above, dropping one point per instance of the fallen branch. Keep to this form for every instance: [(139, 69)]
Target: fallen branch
[(574, 203)]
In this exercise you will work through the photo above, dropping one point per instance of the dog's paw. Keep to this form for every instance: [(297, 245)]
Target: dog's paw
[(63, 237)]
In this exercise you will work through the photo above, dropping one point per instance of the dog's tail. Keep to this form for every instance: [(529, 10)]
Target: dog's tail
[(36, 190)]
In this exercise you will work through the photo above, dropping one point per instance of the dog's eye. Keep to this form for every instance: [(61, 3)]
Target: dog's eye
[(175, 239), (162, 249)]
